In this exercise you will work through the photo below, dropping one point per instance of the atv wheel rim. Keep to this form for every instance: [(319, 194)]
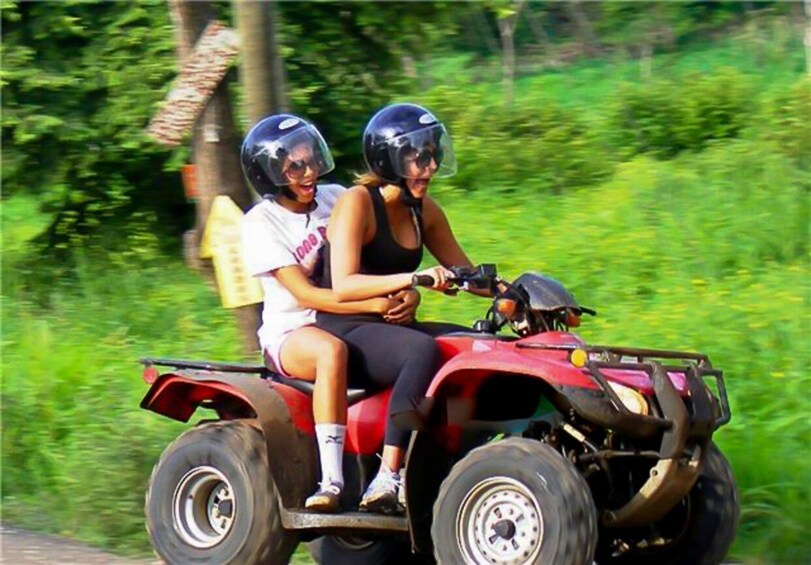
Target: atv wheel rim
[(203, 507), (499, 522)]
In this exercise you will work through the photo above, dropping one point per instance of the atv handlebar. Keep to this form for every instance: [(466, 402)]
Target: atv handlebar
[(481, 276), (422, 280)]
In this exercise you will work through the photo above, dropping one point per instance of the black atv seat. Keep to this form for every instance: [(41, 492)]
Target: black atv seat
[(353, 395)]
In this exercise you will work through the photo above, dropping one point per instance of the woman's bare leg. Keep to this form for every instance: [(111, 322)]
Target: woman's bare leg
[(393, 457), (314, 355)]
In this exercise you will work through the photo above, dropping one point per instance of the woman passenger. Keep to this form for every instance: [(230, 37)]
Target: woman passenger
[(282, 156)]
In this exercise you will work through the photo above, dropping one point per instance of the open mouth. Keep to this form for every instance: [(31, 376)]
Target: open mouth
[(421, 184), (306, 189)]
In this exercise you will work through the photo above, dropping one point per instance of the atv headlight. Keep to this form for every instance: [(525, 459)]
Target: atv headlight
[(630, 398)]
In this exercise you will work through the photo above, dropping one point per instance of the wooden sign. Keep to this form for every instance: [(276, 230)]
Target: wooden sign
[(222, 241), (203, 70)]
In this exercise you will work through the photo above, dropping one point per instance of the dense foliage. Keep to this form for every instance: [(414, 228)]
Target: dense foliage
[(672, 196)]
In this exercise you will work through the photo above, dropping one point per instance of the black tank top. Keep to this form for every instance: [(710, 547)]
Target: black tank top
[(382, 255)]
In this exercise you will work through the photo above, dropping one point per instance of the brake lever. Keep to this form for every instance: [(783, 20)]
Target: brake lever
[(460, 285)]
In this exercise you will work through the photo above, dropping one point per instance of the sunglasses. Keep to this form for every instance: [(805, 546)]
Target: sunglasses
[(297, 169), (423, 158)]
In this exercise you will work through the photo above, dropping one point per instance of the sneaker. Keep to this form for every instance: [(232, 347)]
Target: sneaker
[(326, 499), (382, 496)]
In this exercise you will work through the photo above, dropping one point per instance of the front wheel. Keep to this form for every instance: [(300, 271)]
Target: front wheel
[(514, 502), (211, 499), (698, 531)]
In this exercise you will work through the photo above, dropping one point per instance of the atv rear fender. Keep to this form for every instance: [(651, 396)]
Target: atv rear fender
[(291, 451)]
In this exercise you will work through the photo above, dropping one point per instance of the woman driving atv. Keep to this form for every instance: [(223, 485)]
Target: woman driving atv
[(375, 244), (282, 157)]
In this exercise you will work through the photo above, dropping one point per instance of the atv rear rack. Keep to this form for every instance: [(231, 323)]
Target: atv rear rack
[(205, 365), (352, 394)]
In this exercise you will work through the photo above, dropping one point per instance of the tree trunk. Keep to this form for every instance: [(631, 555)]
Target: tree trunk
[(214, 151), (485, 31), (807, 38), (541, 36), (506, 29), (584, 27), (646, 60), (262, 69)]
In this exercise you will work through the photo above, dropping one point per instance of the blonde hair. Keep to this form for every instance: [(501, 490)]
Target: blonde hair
[(369, 180)]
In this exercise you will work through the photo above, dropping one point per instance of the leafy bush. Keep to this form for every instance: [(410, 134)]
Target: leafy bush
[(786, 119), (537, 146), (666, 117)]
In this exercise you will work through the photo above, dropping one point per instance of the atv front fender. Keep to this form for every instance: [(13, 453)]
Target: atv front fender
[(557, 371), (291, 452)]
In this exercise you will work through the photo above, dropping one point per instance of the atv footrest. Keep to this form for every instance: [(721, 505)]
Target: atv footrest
[(300, 519)]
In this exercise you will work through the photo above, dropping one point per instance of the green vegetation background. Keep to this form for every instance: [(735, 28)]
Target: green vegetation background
[(676, 205)]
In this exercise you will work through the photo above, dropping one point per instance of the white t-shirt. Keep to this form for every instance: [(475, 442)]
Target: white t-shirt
[(274, 237)]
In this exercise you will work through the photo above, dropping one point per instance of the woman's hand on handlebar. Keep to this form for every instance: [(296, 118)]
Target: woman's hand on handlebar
[(435, 278)]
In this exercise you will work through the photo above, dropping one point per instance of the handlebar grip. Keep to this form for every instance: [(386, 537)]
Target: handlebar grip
[(422, 280)]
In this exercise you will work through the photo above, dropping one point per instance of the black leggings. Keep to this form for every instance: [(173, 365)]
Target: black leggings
[(382, 354)]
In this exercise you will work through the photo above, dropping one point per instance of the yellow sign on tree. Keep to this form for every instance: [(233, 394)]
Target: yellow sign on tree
[(222, 241)]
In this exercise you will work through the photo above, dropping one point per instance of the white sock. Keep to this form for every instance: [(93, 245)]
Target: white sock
[(331, 448)]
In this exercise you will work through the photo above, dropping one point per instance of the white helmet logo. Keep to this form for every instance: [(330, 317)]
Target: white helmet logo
[(289, 123), (427, 118)]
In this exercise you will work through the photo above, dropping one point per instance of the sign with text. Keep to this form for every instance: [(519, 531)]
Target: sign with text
[(202, 71), (222, 241)]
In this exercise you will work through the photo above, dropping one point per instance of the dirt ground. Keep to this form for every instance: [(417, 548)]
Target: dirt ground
[(19, 547)]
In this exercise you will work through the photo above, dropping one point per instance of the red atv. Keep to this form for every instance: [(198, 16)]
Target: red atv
[(535, 448)]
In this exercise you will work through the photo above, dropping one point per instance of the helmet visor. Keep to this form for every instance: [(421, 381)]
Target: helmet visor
[(426, 150), (291, 157)]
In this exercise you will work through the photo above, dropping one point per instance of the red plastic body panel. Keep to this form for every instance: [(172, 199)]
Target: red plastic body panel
[(300, 406), (177, 397), (366, 424), (467, 361), (366, 419), (475, 359), (640, 381)]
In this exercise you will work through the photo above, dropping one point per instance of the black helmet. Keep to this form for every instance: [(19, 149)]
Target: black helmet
[(268, 144), (402, 130)]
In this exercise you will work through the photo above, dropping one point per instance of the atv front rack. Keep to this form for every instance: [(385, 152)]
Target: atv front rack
[(706, 412), (696, 367), (686, 424)]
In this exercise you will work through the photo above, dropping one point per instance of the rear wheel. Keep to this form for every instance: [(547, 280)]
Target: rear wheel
[(700, 530), (359, 550), (211, 499), (514, 502)]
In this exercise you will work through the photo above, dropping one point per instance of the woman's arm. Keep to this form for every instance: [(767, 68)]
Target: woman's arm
[(346, 231), (323, 299)]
